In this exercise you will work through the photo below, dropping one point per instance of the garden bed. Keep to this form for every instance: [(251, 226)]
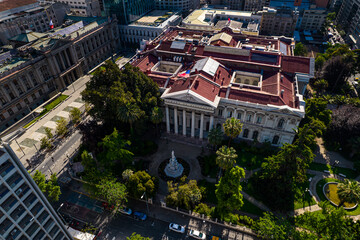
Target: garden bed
[(330, 191), (163, 176), (351, 174)]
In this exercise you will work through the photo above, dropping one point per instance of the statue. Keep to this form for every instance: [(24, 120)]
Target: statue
[(173, 168)]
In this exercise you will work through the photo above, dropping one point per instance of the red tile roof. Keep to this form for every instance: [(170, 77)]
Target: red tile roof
[(205, 88), (293, 64), (10, 4)]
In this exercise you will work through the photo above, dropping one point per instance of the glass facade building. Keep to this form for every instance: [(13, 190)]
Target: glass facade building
[(25, 213), (128, 11)]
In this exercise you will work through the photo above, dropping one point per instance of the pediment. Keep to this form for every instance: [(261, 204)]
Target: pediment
[(190, 97)]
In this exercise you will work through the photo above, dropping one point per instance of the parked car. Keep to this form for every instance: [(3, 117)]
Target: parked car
[(125, 210), (196, 234), (140, 215), (176, 228)]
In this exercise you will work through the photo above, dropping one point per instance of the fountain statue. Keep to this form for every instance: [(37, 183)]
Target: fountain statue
[(173, 168)]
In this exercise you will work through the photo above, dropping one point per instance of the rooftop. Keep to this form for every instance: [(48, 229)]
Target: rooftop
[(154, 18), (10, 4), (246, 72)]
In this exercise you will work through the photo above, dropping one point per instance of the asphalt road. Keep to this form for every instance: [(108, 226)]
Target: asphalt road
[(123, 226)]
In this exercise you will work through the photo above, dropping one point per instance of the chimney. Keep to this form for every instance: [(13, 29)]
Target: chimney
[(196, 71)]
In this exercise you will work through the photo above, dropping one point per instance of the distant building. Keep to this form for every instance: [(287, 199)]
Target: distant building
[(48, 63), (25, 213), (128, 11), (217, 19), (255, 5), (278, 22), (313, 19), (17, 18), (183, 5), (149, 26), (88, 8), (349, 18)]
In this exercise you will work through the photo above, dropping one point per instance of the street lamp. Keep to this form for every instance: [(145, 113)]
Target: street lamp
[(61, 215), (147, 204)]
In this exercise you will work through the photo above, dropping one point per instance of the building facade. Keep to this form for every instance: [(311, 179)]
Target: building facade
[(278, 22), (313, 19), (207, 77), (255, 5), (40, 69), (149, 26), (349, 18), (183, 5), (25, 213), (30, 17), (87, 8), (128, 11)]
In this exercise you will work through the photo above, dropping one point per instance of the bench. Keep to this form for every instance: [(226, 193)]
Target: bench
[(326, 171), (310, 179), (343, 175)]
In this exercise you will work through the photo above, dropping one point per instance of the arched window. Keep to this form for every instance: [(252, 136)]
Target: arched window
[(255, 135), (275, 140), (281, 123), (229, 114), (246, 133), (247, 81)]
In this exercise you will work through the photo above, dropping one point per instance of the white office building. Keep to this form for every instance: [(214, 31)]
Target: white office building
[(25, 213)]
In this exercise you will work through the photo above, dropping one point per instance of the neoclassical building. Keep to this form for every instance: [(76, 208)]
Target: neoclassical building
[(207, 77), (45, 64)]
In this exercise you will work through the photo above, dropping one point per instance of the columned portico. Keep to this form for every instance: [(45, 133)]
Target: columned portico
[(184, 122), (176, 121), (192, 124), (167, 119)]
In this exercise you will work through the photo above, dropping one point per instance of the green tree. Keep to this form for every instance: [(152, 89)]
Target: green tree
[(232, 128), (228, 190), (331, 16), (136, 236), (349, 191), (50, 188), (215, 137), (184, 194), (48, 133), (112, 191), (319, 62), (226, 157), (45, 143), (113, 93), (300, 49), (127, 174), (141, 182), (203, 208), (114, 150), (270, 227), (61, 127), (157, 116), (75, 115), (40, 180)]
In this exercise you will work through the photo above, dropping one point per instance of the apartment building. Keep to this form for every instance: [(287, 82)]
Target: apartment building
[(32, 73), (16, 18), (255, 5), (349, 18), (206, 77), (278, 22), (88, 8), (313, 19), (25, 213), (183, 5)]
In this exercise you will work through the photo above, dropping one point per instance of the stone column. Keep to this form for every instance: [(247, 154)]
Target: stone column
[(12, 86), (5, 94), (176, 121), (235, 113), (254, 120), (193, 124), (286, 124), (67, 58), (184, 122), (167, 119), (201, 125), (225, 113), (211, 122), (266, 120), (244, 118)]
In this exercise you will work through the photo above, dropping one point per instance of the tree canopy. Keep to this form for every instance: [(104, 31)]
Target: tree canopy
[(349, 191), (120, 95), (228, 190), (232, 128), (112, 191), (215, 137), (226, 157), (141, 182), (50, 188), (135, 236), (300, 49), (61, 127)]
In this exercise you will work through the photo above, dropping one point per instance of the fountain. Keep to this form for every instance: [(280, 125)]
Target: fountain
[(173, 168)]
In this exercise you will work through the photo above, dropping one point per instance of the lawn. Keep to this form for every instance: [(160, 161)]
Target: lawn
[(305, 200), (336, 170), (251, 208), (48, 108), (249, 160), (319, 191)]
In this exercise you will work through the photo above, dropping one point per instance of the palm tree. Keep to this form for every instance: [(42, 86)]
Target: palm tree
[(129, 113), (156, 117), (348, 191), (233, 128), (215, 137), (226, 158)]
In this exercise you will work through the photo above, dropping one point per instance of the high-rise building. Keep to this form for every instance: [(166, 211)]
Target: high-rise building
[(128, 11), (278, 22), (183, 5), (88, 8), (349, 18), (255, 5), (25, 213)]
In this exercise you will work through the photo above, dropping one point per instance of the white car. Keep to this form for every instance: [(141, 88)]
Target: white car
[(176, 228), (196, 234)]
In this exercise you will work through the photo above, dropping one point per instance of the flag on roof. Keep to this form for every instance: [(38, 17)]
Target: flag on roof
[(51, 24), (229, 20), (185, 74)]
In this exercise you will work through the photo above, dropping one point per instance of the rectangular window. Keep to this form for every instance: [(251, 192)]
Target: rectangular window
[(229, 114), (220, 112), (239, 116), (248, 118), (259, 119), (18, 106), (10, 111)]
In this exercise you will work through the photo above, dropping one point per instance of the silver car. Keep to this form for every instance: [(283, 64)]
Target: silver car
[(176, 228)]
